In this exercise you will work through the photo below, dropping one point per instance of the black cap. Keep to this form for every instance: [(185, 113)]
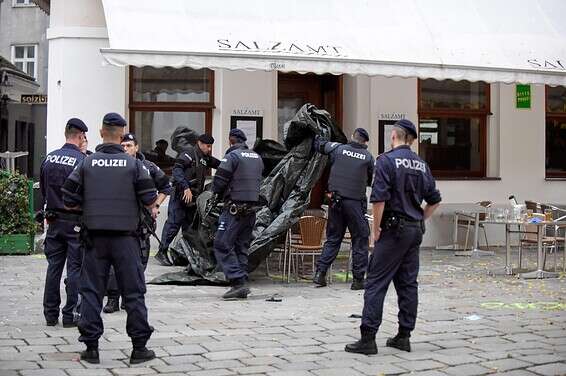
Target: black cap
[(130, 137), (238, 133), (114, 119), (408, 126), (362, 132), (206, 139), (78, 124)]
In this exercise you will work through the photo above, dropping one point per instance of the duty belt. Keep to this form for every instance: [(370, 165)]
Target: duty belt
[(241, 209), (52, 215), (392, 220)]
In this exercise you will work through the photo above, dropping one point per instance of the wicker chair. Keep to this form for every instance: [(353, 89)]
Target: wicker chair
[(309, 244)]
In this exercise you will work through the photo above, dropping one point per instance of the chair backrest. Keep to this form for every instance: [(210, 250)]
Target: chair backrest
[(312, 229), (483, 204), (315, 213), (531, 231), (532, 205)]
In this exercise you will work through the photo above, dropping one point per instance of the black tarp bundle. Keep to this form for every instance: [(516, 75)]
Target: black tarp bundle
[(295, 169)]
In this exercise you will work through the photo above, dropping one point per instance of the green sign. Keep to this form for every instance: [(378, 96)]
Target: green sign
[(523, 96)]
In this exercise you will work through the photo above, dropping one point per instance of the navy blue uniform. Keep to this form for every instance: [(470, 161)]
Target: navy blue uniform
[(402, 180), (351, 172), (163, 185), (109, 185), (188, 172), (62, 240), (237, 180)]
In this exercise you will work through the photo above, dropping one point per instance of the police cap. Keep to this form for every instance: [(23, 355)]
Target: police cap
[(363, 133), (206, 139), (408, 126), (238, 133), (78, 124), (114, 119), (129, 137)]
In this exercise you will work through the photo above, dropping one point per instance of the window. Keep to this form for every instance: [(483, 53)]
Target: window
[(555, 150), (23, 3), (162, 99), (25, 58), (453, 127)]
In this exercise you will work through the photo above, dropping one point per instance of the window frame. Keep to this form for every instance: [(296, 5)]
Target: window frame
[(25, 60), (206, 107), (482, 114), (548, 115), (26, 4)]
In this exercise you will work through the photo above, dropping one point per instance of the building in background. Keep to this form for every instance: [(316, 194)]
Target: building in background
[(24, 49), (487, 92)]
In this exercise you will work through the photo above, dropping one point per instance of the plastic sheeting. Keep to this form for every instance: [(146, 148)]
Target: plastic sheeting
[(286, 190)]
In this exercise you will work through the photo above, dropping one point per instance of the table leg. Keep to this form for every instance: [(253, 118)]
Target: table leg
[(476, 252), (508, 268), (540, 273)]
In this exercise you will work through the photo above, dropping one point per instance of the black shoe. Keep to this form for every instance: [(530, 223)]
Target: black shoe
[(240, 291), (90, 356), (112, 305), (400, 342), (51, 322), (319, 278), (141, 355), (70, 324), (358, 284), (366, 345), (162, 258)]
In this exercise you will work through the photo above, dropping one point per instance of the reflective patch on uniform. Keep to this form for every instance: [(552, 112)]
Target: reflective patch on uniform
[(188, 156), (62, 160), (147, 170), (203, 162), (77, 229), (411, 164), (222, 226), (224, 160), (352, 154), (250, 155), (109, 162)]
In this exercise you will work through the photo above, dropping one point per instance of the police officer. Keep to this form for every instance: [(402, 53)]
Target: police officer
[(350, 174), (237, 181), (189, 174), (402, 181), (109, 186), (62, 239), (161, 181)]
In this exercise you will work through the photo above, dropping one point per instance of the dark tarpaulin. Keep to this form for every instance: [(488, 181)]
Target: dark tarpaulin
[(286, 190)]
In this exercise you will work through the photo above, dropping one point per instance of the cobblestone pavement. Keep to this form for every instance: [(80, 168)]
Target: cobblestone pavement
[(469, 324)]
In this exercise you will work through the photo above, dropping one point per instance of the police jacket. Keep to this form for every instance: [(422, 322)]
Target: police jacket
[(403, 181), (55, 169), (108, 185), (190, 169), (352, 168), (239, 175), (161, 181)]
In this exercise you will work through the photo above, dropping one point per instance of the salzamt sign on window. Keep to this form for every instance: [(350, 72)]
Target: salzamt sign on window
[(280, 47)]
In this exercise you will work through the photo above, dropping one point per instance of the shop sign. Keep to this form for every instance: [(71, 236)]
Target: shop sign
[(392, 116), (547, 64), (523, 96), (247, 112), (280, 47), (33, 98)]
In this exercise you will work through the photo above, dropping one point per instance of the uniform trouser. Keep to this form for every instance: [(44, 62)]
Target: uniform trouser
[(346, 214), (123, 253), (179, 215), (61, 245), (395, 258), (232, 242), (112, 290)]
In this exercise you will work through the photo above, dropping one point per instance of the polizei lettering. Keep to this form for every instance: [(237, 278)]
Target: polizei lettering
[(250, 155), (411, 164), (109, 162), (352, 154), (62, 160)]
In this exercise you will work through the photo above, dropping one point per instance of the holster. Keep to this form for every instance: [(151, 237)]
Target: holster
[(242, 209), (84, 237), (335, 199)]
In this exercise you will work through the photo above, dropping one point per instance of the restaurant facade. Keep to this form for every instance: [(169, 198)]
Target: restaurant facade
[(489, 126)]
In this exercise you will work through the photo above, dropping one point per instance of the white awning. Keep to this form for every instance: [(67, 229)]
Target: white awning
[(476, 40)]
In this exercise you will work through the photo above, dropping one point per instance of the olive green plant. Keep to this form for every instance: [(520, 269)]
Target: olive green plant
[(15, 216)]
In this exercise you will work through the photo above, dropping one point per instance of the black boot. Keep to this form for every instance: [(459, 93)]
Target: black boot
[(319, 278), (90, 355), (51, 322), (366, 345), (400, 341), (140, 355), (358, 284), (162, 258), (239, 290), (112, 305)]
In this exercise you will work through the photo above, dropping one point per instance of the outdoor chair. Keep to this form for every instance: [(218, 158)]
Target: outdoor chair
[(311, 230), (529, 239), (469, 222)]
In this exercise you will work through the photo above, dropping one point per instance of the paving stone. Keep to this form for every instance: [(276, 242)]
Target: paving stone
[(454, 360), (177, 368), (377, 369), (17, 365), (542, 359), (223, 346), (182, 359), (262, 361), (467, 370), (298, 366), (185, 350), (133, 371), (226, 355), (43, 372), (60, 364), (232, 363), (420, 365), (517, 372), (88, 372), (506, 364), (291, 373), (550, 369), (254, 370), (336, 372), (213, 372)]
